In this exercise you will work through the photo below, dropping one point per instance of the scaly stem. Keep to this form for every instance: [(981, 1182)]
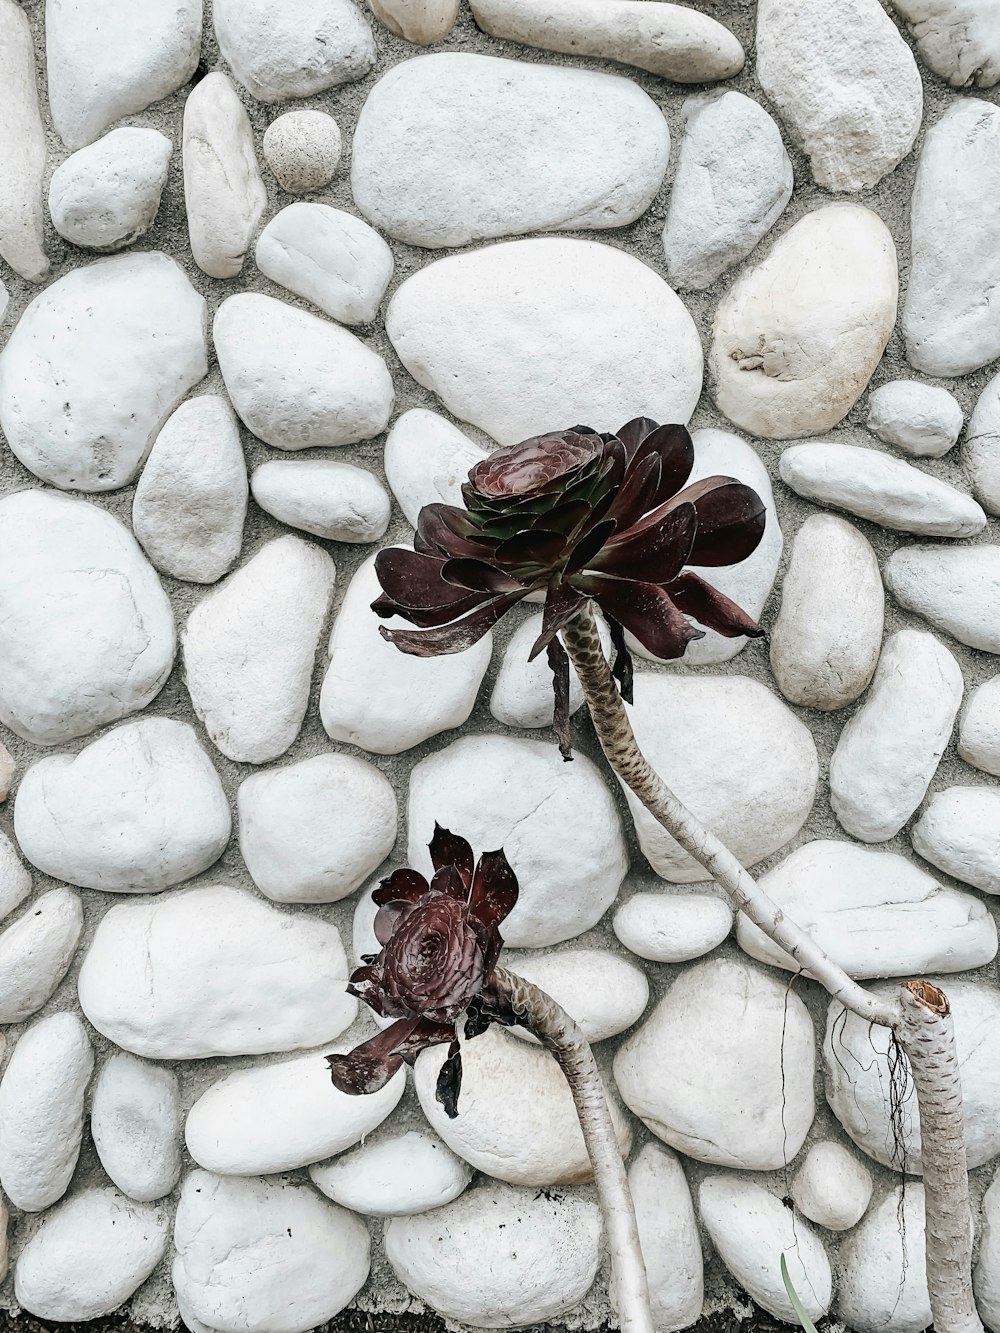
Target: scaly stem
[(554, 1028)]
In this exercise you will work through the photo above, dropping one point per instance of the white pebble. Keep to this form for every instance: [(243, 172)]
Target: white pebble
[(603, 993), (921, 419), (302, 148), (329, 499), (394, 1176), (36, 951), (522, 695), (672, 927), (979, 728), (22, 150), (135, 1121), (7, 770), (107, 195), (981, 450), (882, 1277), (15, 879), (832, 1187), (957, 589), (668, 1237), (986, 1276), (959, 832), (426, 461)]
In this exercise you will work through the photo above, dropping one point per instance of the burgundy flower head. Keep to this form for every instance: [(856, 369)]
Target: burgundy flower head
[(587, 517), (440, 943)]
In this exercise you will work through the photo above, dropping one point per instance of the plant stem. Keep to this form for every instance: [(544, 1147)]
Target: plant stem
[(554, 1028)]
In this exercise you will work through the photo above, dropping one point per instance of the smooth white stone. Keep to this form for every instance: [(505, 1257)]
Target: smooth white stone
[(827, 636), (135, 1121), (264, 1256), (832, 1187), (981, 450), (543, 1248), (110, 58), (312, 832), (890, 748), (86, 630), (556, 822), (22, 150), (36, 951), (603, 993), (522, 695), (986, 1276), (752, 1229), (734, 754), (7, 770), (957, 590), (672, 927), (298, 381), (426, 461), (722, 1069), (881, 488), (875, 913), (223, 190), (882, 1277), (363, 938), (278, 1117), (382, 699), (41, 1111), (921, 419), (668, 1236), (214, 971), (959, 39), (959, 832), (15, 878), (506, 336), (979, 728), (676, 42), (249, 649), (859, 1082), (421, 21), (733, 181), (302, 148), (107, 195), (332, 500), (394, 1177), (95, 366), (191, 499), (329, 257), (797, 337), (294, 50), (4, 1219), (135, 811), (948, 323), (457, 147), (844, 82), (516, 1118)]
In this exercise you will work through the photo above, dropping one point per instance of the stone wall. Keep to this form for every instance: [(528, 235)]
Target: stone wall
[(213, 756)]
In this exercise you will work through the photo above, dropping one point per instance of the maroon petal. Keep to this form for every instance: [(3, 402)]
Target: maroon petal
[(402, 886), (673, 446), (709, 607), (645, 610), (654, 551), (414, 587), (589, 545), (444, 530), (371, 1065), (731, 519), (449, 1081), (638, 492), (621, 667), (559, 664), (532, 549), (562, 604), (494, 893), (455, 637), (634, 432), (448, 849), (448, 880), (366, 985), (479, 576)]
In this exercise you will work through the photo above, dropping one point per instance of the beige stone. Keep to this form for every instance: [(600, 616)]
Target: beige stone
[(420, 21), (7, 770), (22, 148)]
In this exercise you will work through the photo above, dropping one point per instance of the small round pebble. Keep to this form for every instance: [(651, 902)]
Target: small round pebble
[(672, 927), (135, 1121), (302, 148), (335, 501), (106, 195), (921, 419), (832, 1187), (394, 1177)]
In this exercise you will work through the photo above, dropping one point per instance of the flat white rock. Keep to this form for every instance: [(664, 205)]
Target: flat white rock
[(36, 951), (979, 728), (15, 878), (382, 699), (981, 450), (135, 1122), (832, 1187), (86, 630), (109, 58), (457, 147), (603, 993), (858, 1080), (22, 150), (191, 499), (882, 1275), (107, 195), (543, 1249), (733, 181), (959, 832), (844, 82), (135, 811), (986, 1276), (249, 648), (427, 459), (223, 191), (959, 39), (302, 148), (506, 336), (214, 971), (734, 754), (89, 1255), (672, 927), (923, 420), (516, 1118), (41, 1111), (329, 499), (875, 913), (890, 748), (885, 490), (668, 1237), (277, 1117), (957, 590), (947, 322), (264, 1256), (722, 1069), (522, 695), (797, 337), (678, 43), (827, 636), (394, 1176), (752, 1229), (301, 48), (95, 366), (329, 257), (556, 822), (298, 381)]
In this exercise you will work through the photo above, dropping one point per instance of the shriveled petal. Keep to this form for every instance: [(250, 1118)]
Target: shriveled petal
[(711, 608), (559, 664), (562, 604), (366, 984), (654, 551), (494, 894), (645, 610), (449, 1081), (371, 1065), (454, 637), (731, 519), (448, 849), (621, 667)]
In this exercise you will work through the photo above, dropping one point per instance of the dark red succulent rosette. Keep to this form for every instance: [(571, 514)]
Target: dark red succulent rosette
[(587, 517), (440, 943)]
